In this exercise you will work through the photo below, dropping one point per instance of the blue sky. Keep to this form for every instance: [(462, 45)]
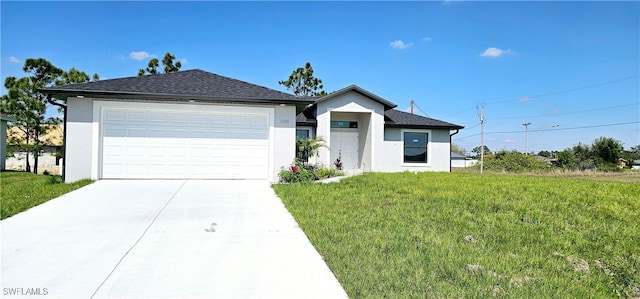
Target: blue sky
[(557, 65)]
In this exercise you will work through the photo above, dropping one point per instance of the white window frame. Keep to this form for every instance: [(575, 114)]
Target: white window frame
[(429, 158)]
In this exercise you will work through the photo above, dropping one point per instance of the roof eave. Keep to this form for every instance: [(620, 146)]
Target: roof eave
[(450, 127), (65, 93)]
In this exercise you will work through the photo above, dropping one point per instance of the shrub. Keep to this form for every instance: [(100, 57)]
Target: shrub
[(567, 159), (514, 162), (327, 173), (295, 175)]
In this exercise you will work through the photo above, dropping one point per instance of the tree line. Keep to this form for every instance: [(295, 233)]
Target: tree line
[(604, 154), (28, 106)]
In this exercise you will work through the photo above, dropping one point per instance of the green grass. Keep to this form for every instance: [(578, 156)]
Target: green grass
[(403, 235), (22, 190)]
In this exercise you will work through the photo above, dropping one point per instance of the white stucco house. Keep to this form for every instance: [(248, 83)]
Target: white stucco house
[(460, 161), (198, 125)]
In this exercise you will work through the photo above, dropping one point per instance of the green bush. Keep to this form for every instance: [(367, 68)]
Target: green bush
[(327, 173), (514, 162), (607, 166), (302, 175), (306, 173)]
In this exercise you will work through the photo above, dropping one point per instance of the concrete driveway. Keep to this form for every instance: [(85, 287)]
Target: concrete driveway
[(155, 239)]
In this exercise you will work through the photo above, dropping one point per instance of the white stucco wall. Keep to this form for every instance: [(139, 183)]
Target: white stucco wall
[(370, 117), (438, 152), (3, 143), (80, 128), (461, 163), (83, 136), (284, 139)]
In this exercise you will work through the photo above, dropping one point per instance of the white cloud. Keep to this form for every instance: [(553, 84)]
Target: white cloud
[(183, 61), (494, 52), (508, 140), (139, 55), (524, 99), (427, 39), (14, 59), (400, 45)]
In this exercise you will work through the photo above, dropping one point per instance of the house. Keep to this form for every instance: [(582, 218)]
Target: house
[(3, 139), (196, 124), (635, 164), (49, 158), (458, 160)]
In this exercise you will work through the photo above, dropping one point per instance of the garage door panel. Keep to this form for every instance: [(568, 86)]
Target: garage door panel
[(168, 144)]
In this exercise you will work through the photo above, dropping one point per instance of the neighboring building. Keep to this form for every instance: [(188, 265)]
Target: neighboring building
[(460, 161), (195, 124), (3, 139), (635, 164), (49, 158)]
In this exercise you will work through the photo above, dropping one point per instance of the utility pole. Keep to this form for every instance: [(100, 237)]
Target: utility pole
[(526, 138), (481, 115), (411, 108)]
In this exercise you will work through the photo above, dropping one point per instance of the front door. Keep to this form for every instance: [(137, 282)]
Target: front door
[(344, 145)]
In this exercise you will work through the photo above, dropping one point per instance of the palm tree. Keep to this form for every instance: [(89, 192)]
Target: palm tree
[(307, 147)]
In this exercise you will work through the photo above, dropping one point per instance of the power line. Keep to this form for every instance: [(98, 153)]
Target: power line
[(571, 128), (421, 109), (554, 92), (472, 127), (469, 136), (571, 89), (559, 129), (571, 112)]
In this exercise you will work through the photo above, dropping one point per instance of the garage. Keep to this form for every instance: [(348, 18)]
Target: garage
[(188, 124), (174, 141)]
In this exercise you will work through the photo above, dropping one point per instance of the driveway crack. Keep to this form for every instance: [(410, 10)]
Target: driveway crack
[(138, 240)]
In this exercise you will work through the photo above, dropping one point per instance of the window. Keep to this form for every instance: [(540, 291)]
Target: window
[(344, 124), (303, 134), (415, 147)]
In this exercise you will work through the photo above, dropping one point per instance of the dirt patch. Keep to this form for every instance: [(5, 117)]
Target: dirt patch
[(474, 268), (579, 265), (520, 281)]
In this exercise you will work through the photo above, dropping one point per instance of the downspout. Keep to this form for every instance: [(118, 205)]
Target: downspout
[(64, 135), (450, 140)]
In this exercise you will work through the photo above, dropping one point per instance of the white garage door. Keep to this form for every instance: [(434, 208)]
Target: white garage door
[(215, 143)]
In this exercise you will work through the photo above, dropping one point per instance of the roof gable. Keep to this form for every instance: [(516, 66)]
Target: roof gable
[(387, 105), (190, 84)]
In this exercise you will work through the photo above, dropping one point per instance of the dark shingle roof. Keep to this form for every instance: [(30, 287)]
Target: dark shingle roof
[(191, 84), (393, 118), (397, 118)]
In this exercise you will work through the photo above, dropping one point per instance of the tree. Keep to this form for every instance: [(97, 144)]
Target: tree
[(308, 147), (302, 82), (607, 149), (477, 151), (582, 152), (458, 149), (167, 63), (632, 154), (567, 159), (545, 154), (28, 106)]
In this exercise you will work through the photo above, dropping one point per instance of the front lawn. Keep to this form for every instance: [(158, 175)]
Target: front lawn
[(453, 235), (22, 190)]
